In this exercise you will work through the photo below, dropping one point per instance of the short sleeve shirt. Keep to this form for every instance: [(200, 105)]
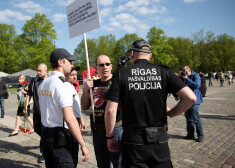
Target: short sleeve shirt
[(54, 94), (142, 89), (100, 104)]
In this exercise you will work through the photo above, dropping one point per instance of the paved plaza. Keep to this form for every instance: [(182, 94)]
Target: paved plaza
[(216, 151)]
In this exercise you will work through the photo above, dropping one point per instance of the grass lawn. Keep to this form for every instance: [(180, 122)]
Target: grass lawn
[(12, 90)]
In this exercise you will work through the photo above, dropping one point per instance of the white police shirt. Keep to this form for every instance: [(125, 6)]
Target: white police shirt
[(54, 94)]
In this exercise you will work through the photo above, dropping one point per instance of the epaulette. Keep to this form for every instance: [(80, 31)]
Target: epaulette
[(62, 79)]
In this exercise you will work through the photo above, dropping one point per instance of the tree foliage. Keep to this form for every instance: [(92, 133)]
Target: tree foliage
[(182, 50), (36, 42), (7, 52), (202, 52), (161, 50)]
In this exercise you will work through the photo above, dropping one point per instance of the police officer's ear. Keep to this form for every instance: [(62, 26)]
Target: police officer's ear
[(131, 54), (61, 62)]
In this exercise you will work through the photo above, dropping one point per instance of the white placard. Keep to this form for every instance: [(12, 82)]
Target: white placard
[(83, 16)]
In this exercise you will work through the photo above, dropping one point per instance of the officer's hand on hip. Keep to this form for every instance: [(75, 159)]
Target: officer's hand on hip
[(85, 153), (112, 145)]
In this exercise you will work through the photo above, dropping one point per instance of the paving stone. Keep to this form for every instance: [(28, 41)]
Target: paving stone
[(226, 166), (216, 151)]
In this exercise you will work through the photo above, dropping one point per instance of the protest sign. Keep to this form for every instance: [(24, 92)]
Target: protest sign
[(83, 16)]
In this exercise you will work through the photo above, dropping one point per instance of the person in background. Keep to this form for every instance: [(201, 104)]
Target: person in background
[(203, 87), (221, 79), (72, 78), (100, 87), (142, 90), (33, 94), (230, 77), (193, 119), (22, 110), (210, 76), (61, 131), (97, 76), (3, 91)]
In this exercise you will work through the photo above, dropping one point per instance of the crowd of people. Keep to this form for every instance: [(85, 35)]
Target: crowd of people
[(129, 121)]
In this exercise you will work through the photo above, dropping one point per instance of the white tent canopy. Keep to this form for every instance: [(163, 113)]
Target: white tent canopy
[(3, 74), (26, 72)]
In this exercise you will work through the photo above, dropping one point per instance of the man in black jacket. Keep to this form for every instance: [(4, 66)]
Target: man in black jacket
[(33, 93), (142, 90), (3, 92)]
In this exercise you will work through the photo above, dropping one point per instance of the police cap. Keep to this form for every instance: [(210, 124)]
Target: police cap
[(138, 46)]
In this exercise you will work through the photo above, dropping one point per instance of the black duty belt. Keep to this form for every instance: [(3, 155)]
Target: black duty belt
[(142, 130), (52, 128), (145, 135)]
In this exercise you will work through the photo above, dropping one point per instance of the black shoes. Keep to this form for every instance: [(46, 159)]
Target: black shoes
[(13, 134), (189, 138), (41, 159), (192, 138), (2, 116), (199, 140)]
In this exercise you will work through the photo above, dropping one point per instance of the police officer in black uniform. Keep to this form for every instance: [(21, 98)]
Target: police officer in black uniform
[(142, 90)]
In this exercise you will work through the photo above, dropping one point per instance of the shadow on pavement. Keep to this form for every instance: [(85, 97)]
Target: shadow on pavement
[(6, 163), (5, 129), (176, 136), (219, 117), (10, 147)]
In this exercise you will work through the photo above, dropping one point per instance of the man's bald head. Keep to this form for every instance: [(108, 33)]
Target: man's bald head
[(42, 71)]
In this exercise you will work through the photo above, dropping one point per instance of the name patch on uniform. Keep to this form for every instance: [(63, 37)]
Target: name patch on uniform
[(45, 93), (144, 79)]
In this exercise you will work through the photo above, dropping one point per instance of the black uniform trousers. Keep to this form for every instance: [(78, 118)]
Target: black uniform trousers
[(56, 156), (146, 149), (146, 156)]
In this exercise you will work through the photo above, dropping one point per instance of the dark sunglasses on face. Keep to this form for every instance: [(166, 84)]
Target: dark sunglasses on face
[(102, 65)]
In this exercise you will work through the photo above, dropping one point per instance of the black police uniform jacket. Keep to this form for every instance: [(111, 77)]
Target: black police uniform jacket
[(142, 90)]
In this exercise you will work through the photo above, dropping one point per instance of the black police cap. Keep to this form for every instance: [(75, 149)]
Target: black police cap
[(139, 44)]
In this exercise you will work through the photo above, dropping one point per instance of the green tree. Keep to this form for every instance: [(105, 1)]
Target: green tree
[(106, 44), (103, 45), (80, 52), (202, 50), (182, 49), (8, 56), (225, 49), (161, 50), (36, 42), (122, 46)]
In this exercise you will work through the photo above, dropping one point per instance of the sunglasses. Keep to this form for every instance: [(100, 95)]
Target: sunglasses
[(102, 65)]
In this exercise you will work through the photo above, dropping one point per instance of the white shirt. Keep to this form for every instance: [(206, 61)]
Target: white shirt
[(54, 94)]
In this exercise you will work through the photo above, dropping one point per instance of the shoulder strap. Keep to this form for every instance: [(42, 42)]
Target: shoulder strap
[(62, 79)]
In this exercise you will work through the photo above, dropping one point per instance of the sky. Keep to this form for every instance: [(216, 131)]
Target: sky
[(177, 18)]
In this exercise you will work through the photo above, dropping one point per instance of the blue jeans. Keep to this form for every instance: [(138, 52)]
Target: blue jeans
[(104, 158), (2, 106), (193, 119)]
